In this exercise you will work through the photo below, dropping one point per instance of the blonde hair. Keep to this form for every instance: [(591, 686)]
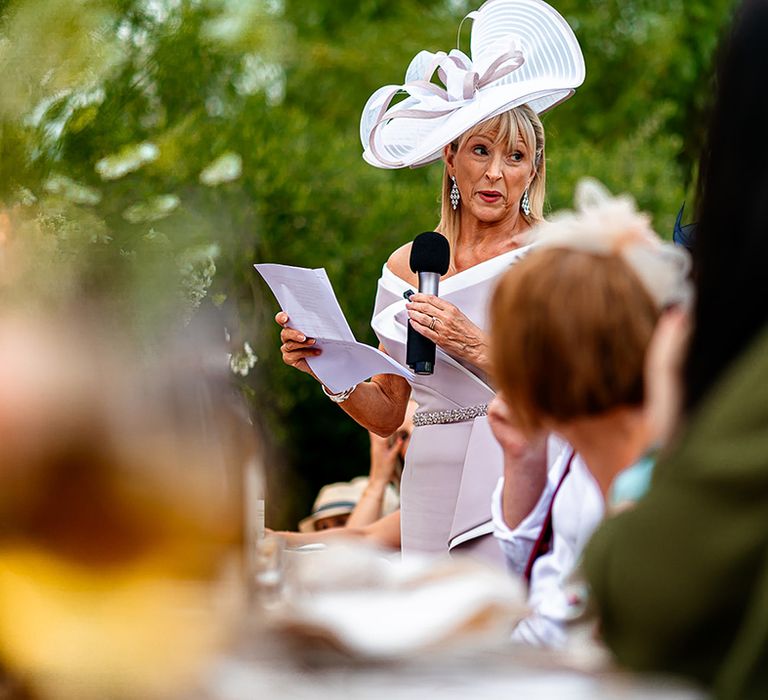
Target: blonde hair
[(570, 332), (505, 128)]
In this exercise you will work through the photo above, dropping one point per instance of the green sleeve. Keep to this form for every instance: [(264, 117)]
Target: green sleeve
[(672, 578)]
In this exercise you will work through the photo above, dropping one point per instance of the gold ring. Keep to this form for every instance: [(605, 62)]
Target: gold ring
[(432, 325)]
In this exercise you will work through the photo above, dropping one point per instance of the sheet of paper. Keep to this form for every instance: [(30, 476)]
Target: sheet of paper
[(308, 298), (344, 364)]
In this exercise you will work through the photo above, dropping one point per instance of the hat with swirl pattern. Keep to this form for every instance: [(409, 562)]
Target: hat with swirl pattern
[(523, 52)]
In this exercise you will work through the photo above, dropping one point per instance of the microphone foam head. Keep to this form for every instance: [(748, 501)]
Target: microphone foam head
[(430, 252)]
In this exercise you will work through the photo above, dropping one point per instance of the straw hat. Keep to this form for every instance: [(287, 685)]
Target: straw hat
[(341, 498), (523, 52)]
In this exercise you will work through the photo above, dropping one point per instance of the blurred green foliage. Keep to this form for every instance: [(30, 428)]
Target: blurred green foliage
[(152, 150)]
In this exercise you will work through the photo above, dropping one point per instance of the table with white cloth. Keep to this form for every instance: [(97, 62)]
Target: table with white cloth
[(265, 668), (353, 622)]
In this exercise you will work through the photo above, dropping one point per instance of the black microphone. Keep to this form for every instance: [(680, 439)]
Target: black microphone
[(430, 257)]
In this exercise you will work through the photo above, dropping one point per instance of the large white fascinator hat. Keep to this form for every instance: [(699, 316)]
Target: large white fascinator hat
[(606, 225), (523, 52)]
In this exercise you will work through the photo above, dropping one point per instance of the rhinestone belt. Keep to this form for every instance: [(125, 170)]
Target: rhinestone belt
[(449, 415)]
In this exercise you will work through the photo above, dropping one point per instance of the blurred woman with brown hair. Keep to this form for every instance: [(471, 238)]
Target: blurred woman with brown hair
[(572, 323)]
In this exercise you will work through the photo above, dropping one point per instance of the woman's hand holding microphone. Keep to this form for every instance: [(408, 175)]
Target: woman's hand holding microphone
[(446, 326)]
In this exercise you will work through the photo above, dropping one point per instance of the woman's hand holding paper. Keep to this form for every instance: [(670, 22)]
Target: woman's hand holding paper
[(296, 347)]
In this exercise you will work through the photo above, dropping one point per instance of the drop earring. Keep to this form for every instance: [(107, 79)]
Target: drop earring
[(525, 203), (455, 196)]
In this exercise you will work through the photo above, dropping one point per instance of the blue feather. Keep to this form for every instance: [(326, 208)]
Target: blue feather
[(683, 235)]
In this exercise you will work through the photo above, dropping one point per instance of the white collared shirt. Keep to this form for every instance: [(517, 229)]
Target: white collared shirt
[(577, 511)]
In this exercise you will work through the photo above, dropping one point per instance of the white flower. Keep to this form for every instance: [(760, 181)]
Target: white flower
[(197, 266), (242, 363)]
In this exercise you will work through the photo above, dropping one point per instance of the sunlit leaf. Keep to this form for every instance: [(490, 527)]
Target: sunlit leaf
[(72, 191), (48, 46), (248, 24), (226, 168), (24, 196), (153, 209), (259, 75), (127, 160)]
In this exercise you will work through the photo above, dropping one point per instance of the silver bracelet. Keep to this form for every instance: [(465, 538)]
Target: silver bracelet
[(342, 396)]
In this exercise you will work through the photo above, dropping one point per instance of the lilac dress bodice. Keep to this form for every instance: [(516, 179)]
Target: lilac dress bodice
[(451, 470)]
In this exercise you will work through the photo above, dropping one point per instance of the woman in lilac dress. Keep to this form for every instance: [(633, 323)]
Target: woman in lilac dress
[(484, 125)]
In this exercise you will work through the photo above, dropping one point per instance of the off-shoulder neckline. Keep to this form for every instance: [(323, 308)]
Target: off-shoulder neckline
[(476, 271)]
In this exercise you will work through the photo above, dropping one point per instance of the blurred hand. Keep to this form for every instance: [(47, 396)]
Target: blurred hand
[(385, 457), (505, 429), (296, 347), (525, 463), (451, 329), (663, 374)]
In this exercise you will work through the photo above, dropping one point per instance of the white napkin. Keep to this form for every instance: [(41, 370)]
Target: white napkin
[(366, 603)]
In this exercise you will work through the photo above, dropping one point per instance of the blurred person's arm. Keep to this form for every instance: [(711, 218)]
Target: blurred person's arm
[(384, 532), (385, 456), (523, 495), (663, 374), (525, 464)]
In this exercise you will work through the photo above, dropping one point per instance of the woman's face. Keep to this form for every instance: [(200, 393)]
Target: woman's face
[(490, 176), (332, 521)]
